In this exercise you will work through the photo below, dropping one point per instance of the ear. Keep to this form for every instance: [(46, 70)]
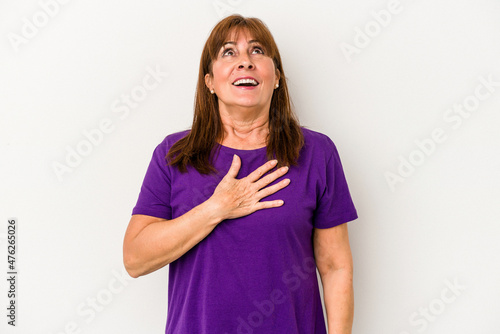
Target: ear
[(208, 81), (278, 76)]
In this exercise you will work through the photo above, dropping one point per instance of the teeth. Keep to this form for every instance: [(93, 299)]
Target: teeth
[(245, 81)]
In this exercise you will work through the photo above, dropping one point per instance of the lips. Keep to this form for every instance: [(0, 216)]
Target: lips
[(245, 82)]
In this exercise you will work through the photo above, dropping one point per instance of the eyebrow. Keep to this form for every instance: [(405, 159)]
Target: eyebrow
[(253, 41)]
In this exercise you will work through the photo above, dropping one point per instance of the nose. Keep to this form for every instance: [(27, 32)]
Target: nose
[(245, 62)]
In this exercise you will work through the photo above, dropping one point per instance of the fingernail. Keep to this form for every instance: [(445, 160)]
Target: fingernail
[(274, 162)]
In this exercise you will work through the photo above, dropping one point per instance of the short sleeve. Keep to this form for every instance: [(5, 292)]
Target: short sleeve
[(335, 205), (154, 197)]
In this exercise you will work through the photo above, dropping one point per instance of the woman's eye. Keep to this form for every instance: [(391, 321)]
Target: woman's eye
[(228, 52), (258, 50)]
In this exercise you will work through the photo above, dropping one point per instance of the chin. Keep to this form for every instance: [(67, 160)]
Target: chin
[(242, 102)]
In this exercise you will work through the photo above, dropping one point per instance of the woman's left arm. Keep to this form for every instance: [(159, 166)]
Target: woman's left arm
[(334, 262)]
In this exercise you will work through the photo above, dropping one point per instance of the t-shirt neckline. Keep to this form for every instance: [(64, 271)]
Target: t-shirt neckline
[(241, 151)]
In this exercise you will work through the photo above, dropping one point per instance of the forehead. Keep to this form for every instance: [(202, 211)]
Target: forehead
[(236, 34)]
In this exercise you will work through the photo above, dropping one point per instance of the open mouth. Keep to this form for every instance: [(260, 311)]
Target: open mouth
[(246, 82)]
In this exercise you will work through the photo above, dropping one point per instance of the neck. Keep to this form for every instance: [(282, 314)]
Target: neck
[(244, 129)]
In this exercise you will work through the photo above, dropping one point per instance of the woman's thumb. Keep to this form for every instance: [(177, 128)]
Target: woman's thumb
[(235, 166)]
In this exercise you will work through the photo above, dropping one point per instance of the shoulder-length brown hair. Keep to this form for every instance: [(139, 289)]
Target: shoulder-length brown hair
[(285, 138)]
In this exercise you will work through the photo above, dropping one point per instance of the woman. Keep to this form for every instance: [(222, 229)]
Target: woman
[(245, 204)]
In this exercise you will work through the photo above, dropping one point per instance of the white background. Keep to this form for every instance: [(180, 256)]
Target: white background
[(437, 227)]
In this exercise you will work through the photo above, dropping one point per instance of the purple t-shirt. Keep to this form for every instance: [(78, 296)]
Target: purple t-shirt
[(253, 274)]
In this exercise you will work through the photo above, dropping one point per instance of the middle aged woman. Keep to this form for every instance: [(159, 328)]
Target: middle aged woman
[(242, 241)]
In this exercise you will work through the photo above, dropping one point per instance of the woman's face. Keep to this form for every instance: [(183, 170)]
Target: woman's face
[(243, 75)]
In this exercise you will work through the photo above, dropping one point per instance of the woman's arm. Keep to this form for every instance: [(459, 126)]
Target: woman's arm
[(334, 262), (151, 243)]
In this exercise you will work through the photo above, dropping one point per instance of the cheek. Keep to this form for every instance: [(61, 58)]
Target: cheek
[(221, 73), (270, 71)]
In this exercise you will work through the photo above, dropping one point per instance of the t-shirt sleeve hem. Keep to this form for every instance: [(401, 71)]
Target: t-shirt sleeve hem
[(150, 212), (339, 220)]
